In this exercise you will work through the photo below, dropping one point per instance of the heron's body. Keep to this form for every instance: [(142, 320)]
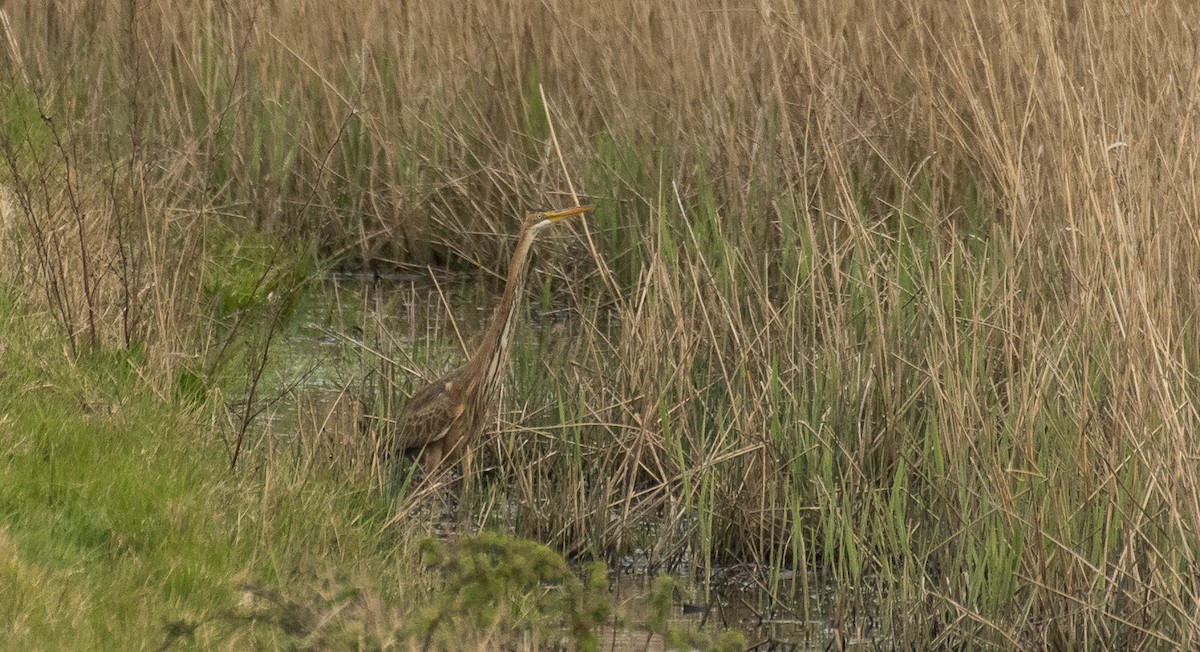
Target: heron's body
[(442, 418)]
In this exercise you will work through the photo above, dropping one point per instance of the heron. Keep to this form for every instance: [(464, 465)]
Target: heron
[(444, 417)]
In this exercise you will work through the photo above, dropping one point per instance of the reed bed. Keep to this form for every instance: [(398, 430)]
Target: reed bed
[(901, 293)]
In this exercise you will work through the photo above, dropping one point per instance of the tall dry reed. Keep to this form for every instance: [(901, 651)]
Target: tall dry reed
[(899, 291)]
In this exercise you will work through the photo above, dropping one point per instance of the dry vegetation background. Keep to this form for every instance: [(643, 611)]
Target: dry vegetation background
[(899, 291)]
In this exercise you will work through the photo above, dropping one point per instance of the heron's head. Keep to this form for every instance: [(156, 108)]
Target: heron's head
[(537, 220)]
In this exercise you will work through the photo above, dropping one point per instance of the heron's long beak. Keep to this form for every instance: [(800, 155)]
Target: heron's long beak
[(555, 216)]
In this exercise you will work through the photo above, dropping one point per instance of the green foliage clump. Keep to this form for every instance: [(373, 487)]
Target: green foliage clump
[(514, 587), (23, 124), (248, 272), (519, 590), (253, 284)]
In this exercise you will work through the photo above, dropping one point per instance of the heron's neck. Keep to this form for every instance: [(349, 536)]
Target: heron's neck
[(489, 361)]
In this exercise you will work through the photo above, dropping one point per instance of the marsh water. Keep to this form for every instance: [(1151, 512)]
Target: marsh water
[(421, 325)]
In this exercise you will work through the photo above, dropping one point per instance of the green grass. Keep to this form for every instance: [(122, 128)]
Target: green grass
[(99, 495), (120, 521)]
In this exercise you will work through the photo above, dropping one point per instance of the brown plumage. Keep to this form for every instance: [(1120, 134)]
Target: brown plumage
[(442, 418)]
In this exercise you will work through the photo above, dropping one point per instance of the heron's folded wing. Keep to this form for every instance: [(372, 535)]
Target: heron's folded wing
[(427, 415)]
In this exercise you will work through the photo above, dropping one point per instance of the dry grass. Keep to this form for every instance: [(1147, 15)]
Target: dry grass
[(902, 292)]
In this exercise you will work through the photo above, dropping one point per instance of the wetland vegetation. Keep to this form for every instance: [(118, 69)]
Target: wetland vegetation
[(889, 307)]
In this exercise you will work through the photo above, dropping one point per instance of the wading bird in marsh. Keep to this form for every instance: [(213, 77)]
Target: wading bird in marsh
[(444, 417)]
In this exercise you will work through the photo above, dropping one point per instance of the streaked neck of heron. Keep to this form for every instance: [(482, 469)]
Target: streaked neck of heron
[(490, 360)]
